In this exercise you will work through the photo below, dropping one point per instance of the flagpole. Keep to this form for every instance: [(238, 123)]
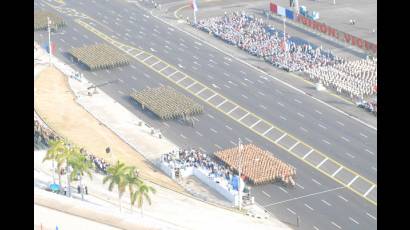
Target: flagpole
[(49, 39), (284, 36)]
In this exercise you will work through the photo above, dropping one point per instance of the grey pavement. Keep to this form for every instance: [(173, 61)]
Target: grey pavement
[(310, 180)]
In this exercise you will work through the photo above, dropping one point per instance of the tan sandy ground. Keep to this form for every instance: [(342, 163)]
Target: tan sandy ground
[(55, 104)]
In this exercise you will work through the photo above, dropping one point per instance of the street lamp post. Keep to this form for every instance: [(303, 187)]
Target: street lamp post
[(284, 37), (240, 148), (49, 38)]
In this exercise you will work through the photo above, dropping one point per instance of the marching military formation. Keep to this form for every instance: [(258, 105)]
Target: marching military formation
[(99, 56), (258, 165), (167, 103), (41, 23)]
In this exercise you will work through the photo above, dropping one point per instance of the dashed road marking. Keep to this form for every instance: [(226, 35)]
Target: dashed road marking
[(199, 134), (337, 226), (350, 155), (213, 130), (283, 190), (291, 211), (297, 101), (219, 147), (322, 126), (317, 182), (303, 129), (340, 123), (228, 127), (369, 215), (369, 151), (353, 220), (265, 194), (209, 115), (283, 118), (301, 115), (327, 142), (281, 104), (318, 112), (341, 197), (361, 134), (307, 206), (327, 203), (300, 186), (345, 139), (183, 136)]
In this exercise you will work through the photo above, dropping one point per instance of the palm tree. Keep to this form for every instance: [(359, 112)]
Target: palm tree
[(133, 181), (67, 157), (57, 148), (117, 175), (141, 194), (80, 166)]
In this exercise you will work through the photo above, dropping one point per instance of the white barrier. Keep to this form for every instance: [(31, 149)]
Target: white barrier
[(222, 186)]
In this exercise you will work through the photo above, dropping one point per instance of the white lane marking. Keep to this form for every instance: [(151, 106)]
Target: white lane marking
[(198, 43), (232, 143), (263, 134), (246, 79), (209, 115), (290, 210), (300, 186), (221, 103), (244, 116), (318, 112), (281, 104), (317, 182), (200, 91), (228, 127), (210, 77), (180, 66), (341, 197), (345, 139), (261, 82), (340, 123), (336, 225), (320, 164), (119, 91), (196, 119), (155, 63), (297, 198), (338, 170), (322, 126), (280, 138), (226, 74), (327, 142), (301, 115), (293, 146), (369, 215), (255, 124), (248, 140), (215, 86), (297, 101), (183, 136), (147, 75), (283, 190), (196, 63), (259, 92), (278, 91), (244, 96), (361, 134), (219, 147), (133, 66), (209, 98), (134, 78), (263, 107), (202, 149), (303, 129), (227, 86), (189, 86), (200, 134), (233, 109), (308, 153), (353, 220), (265, 194), (171, 29), (230, 82), (350, 155), (316, 228), (369, 151), (307, 206), (327, 203), (283, 118), (368, 191), (243, 84), (62, 40), (242, 72), (120, 80), (213, 130), (226, 63)]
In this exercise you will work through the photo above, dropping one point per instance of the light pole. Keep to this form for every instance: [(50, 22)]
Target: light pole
[(240, 148), (49, 38), (284, 37)]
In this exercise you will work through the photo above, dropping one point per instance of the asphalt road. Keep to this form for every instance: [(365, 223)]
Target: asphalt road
[(317, 199)]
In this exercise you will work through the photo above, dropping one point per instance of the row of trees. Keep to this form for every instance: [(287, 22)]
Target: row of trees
[(67, 157)]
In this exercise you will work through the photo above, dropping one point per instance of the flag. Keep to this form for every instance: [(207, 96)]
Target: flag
[(273, 8), (194, 5), (281, 11)]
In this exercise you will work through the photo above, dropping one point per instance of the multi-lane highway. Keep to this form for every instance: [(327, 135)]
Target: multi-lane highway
[(337, 140)]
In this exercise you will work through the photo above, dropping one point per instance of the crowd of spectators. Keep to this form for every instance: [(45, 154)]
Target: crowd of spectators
[(256, 37), (100, 164), (194, 158)]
